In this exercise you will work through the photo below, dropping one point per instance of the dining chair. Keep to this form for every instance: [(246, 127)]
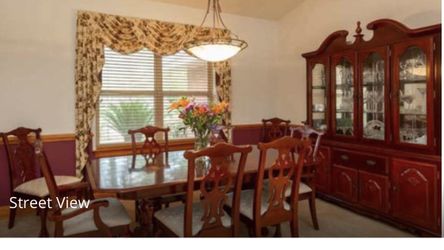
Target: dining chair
[(218, 135), (266, 204), (273, 129), (150, 147), (102, 217), (311, 162), (25, 180), (207, 217), (150, 150)]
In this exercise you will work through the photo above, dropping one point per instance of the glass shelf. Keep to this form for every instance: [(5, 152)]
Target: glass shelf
[(319, 87), (413, 81), (340, 86), (413, 113), (373, 112), (379, 84)]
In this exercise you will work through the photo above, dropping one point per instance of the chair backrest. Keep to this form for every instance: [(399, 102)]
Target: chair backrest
[(47, 173), (20, 154), (274, 128), (218, 135), (306, 131), (284, 170), (150, 147), (216, 182)]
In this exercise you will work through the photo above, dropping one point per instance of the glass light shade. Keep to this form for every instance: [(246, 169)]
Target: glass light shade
[(216, 51)]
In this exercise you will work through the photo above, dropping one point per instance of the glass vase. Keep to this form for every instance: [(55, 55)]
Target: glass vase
[(202, 140)]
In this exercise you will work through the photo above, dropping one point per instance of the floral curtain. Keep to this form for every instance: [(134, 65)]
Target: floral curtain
[(223, 86), (125, 35)]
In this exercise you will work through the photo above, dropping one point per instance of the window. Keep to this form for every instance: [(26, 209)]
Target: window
[(137, 90)]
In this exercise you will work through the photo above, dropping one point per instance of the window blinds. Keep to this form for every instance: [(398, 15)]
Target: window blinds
[(138, 88)]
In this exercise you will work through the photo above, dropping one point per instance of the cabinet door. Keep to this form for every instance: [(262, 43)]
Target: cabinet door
[(344, 95), (415, 192), (413, 92), (322, 170), (374, 191), (344, 183), (373, 78), (317, 94)]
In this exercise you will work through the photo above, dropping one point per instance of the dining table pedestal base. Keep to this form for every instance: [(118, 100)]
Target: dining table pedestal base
[(145, 209)]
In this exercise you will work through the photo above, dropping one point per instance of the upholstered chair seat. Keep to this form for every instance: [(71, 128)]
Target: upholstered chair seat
[(114, 215), (38, 187), (173, 218), (247, 201)]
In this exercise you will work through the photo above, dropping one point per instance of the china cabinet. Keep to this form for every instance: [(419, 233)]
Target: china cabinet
[(378, 101)]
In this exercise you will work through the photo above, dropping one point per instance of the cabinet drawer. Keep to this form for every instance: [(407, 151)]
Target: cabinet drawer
[(372, 164), (345, 158)]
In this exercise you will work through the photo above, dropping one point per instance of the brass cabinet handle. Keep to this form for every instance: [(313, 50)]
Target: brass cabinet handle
[(370, 163), (345, 157)]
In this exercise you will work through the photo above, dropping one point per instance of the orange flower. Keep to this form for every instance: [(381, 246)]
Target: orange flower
[(220, 107), (183, 102), (174, 106)]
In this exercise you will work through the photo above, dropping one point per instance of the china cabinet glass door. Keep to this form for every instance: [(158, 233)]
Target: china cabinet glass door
[(319, 97), (413, 89), (344, 97), (373, 96)]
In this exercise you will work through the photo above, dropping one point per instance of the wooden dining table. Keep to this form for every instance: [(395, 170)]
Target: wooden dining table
[(165, 175)]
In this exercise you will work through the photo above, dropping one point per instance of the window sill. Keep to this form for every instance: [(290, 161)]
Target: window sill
[(126, 148)]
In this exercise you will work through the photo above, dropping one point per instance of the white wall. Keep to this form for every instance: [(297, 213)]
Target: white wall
[(306, 27), (37, 56), (37, 53)]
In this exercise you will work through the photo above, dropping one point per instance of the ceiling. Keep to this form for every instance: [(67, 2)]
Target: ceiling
[(266, 9)]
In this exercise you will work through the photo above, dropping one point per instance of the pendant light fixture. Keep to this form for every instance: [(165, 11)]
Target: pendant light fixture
[(216, 48)]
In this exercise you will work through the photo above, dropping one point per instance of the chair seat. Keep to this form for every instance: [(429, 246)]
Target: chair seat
[(38, 187), (114, 215), (303, 188), (173, 218), (247, 200)]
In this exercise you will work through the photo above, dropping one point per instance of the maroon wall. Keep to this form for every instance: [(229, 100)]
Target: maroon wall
[(246, 135)]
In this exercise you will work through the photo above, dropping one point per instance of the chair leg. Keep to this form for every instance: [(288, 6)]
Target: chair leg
[(127, 232), (278, 232), (294, 224), (257, 231), (156, 229), (12, 212), (314, 217), (43, 229), (250, 231)]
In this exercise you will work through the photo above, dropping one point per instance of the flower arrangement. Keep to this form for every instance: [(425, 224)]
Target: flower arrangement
[(201, 118)]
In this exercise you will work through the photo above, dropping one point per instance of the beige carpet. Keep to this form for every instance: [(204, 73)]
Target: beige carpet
[(334, 221)]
